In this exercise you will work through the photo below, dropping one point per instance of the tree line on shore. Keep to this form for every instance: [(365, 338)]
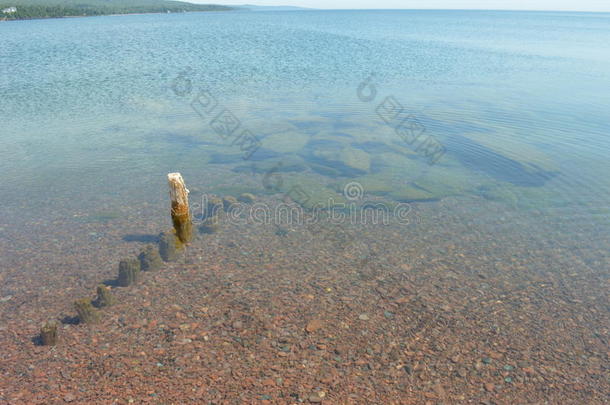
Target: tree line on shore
[(27, 9)]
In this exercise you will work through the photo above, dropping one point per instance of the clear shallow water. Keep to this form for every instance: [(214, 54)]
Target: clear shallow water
[(504, 251), (518, 101)]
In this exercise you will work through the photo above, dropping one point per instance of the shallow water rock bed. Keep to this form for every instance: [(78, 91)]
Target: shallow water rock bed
[(318, 313)]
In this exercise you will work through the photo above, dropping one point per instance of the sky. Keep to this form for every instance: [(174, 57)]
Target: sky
[(562, 5)]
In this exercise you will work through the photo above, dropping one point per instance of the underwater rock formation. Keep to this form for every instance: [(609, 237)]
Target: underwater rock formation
[(356, 159), (504, 157), (348, 160), (150, 259), (167, 247), (247, 198), (86, 312), (283, 142), (48, 334), (228, 202), (310, 193), (129, 272), (283, 164), (210, 225), (213, 207)]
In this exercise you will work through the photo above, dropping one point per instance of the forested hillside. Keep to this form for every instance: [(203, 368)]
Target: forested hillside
[(70, 8)]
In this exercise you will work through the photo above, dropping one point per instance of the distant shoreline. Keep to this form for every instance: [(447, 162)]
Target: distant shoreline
[(43, 9), (113, 15), (271, 8)]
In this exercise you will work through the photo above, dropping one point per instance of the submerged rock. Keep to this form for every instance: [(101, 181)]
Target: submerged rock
[(356, 159), (325, 170), (408, 193), (285, 142), (314, 325), (210, 225), (442, 182), (398, 162), (391, 185), (348, 160), (228, 202), (311, 194), (504, 157), (523, 197), (213, 207), (247, 198), (282, 164)]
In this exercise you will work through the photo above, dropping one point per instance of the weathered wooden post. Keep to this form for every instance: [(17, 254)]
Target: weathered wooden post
[(104, 297), (129, 272), (181, 215), (48, 334), (150, 259), (86, 312)]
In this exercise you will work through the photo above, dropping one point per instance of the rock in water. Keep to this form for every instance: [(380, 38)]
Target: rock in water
[(314, 325), (247, 198), (210, 225), (228, 202), (213, 207)]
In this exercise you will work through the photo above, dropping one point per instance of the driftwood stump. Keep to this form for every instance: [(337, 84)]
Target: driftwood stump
[(181, 215)]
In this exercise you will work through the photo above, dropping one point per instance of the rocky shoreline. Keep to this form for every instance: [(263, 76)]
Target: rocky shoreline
[(337, 314)]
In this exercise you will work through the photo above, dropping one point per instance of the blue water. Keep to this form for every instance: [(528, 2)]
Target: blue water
[(483, 134), (517, 100)]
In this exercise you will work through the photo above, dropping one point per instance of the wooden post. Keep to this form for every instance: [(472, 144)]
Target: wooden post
[(104, 297), (86, 312), (181, 215), (48, 334)]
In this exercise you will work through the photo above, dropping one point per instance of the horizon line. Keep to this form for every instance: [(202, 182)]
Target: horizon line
[(300, 8)]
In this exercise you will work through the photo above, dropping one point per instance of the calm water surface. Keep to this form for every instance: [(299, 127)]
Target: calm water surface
[(507, 108)]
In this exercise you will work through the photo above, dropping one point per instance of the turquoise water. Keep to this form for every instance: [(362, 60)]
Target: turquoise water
[(514, 103)]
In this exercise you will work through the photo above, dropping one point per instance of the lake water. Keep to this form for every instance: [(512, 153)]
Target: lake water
[(494, 123), (516, 101)]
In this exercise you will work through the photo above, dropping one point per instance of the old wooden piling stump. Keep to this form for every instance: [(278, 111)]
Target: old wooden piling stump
[(48, 334), (104, 297), (181, 215), (129, 272), (86, 312)]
